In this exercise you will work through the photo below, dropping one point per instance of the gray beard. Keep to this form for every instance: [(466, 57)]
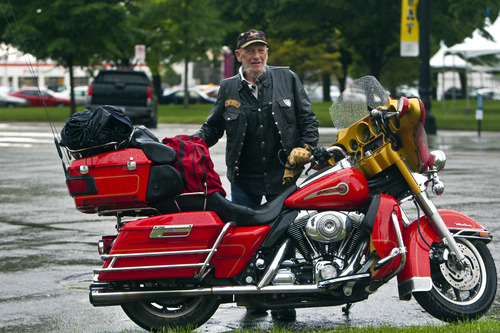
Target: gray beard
[(253, 74)]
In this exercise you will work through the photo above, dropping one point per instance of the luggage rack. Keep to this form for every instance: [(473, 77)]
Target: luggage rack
[(203, 265), (86, 152)]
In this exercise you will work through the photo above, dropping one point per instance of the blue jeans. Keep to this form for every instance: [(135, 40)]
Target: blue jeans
[(243, 198)]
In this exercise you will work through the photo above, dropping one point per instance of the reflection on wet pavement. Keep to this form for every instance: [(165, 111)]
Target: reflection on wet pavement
[(48, 248)]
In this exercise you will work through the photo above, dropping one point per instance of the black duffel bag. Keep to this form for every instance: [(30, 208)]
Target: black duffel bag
[(89, 129)]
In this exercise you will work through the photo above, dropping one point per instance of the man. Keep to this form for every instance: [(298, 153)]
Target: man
[(263, 110)]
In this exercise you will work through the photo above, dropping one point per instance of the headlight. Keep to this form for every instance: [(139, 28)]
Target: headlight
[(438, 159)]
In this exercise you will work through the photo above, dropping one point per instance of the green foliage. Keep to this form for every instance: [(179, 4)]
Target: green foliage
[(451, 116), (364, 32), (50, 29), (309, 62)]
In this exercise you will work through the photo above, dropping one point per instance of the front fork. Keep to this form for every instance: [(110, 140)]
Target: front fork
[(432, 213)]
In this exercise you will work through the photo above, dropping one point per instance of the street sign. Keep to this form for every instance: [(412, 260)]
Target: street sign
[(409, 29), (140, 53)]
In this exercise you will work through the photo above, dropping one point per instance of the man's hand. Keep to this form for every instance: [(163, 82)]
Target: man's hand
[(299, 156), (290, 173)]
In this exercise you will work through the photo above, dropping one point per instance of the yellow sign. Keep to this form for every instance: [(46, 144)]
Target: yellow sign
[(409, 29)]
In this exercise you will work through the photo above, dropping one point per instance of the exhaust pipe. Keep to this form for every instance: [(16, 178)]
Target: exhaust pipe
[(100, 296)]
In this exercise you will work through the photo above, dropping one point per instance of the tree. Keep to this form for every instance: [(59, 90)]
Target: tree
[(370, 30), (68, 31), (192, 28)]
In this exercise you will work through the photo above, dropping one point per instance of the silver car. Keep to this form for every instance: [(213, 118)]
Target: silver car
[(7, 101)]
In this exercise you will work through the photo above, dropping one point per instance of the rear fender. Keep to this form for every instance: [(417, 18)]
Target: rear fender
[(416, 274)]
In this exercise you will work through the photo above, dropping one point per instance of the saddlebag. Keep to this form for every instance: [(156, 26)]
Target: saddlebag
[(187, 244), (120, 181)]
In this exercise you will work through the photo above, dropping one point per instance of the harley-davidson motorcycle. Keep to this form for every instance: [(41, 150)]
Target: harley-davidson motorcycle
[(334, 239)]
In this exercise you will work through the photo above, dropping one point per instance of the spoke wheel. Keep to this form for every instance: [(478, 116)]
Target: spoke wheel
[(461, 294), (179, 312)]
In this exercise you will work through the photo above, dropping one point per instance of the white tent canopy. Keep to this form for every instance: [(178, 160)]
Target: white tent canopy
[(477, 45), (442, 60)]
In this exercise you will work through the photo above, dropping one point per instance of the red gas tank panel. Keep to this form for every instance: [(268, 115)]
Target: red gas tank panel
[(345, 189)]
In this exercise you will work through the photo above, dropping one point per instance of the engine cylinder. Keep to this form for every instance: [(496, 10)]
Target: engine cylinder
[(328, 227)]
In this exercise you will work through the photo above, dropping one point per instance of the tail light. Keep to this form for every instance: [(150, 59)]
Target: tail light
[(89, 93), (150, 95), (104, 245), (81, 185)]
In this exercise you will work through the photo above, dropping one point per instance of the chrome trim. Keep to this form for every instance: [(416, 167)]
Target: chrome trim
[(431, 211), (214, 248), (178, 231), (210, 252), (460, 233), (104, 297), (355, 259), (137, 268), (101, 296), (414, 284), (84, 169), (343, 164), (273, 267), (401, 250), (131, 165), (328, 283), (153, 254)]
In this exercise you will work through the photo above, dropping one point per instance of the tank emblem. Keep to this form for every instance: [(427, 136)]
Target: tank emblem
[(339, 189)]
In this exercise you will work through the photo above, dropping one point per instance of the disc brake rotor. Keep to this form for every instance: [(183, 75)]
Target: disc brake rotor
[(462, 279)]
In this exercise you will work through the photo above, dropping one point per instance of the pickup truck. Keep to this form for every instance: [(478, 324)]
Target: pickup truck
[(130, 90)]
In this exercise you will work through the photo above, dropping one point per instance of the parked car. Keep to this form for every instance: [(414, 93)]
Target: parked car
[(58, 88), (176, 96), (132, 91), (40, 97), (315, 93), (81, 93), (489, 93), (8, 101), (406, 91), (453, 92), (209, 89)]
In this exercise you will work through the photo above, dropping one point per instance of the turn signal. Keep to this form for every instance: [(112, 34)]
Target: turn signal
[(438, 187), (104, 244), (403, 103)]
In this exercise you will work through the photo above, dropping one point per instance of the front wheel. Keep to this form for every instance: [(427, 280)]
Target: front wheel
[(174, 313), (458, 295)]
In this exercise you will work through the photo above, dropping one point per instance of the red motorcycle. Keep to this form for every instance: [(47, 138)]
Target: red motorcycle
[(332, 240)]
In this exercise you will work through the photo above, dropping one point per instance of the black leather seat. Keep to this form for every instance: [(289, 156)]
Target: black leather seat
[(143, 138), (229, 211)]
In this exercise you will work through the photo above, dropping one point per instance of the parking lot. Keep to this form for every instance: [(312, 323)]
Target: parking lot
[(48, 248)]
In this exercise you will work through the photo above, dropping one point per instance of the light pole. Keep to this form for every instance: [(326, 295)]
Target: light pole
[(425, 89)]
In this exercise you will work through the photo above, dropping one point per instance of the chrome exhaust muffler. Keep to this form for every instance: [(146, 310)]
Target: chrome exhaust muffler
[(102, 296)]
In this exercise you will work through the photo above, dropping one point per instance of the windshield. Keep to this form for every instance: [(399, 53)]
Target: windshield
[(362, 96)]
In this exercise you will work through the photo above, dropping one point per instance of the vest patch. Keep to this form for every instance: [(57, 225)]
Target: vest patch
[(232, 102)]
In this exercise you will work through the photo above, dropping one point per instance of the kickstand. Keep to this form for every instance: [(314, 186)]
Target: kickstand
[(346, 309)]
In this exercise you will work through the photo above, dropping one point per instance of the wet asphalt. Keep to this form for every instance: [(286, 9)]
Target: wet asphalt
[(48, 248)]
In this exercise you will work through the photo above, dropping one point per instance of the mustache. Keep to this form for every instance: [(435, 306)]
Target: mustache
[(249, 71)]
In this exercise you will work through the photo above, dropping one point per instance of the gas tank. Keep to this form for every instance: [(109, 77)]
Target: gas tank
[(344, 189)]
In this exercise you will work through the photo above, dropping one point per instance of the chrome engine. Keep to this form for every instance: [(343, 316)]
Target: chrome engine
[(328, 227), (333, 241)]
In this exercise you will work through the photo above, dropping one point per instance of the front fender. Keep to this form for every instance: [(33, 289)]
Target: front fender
[(416, 274)]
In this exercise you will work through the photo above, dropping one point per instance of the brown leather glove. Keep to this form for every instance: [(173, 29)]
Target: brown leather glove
[(299, 155), (289, 174)]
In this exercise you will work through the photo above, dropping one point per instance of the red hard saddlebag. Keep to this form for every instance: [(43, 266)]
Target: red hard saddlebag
[(118, 180), (187, 244)]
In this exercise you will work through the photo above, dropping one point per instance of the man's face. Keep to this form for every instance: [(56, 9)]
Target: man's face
[(253, 57)]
